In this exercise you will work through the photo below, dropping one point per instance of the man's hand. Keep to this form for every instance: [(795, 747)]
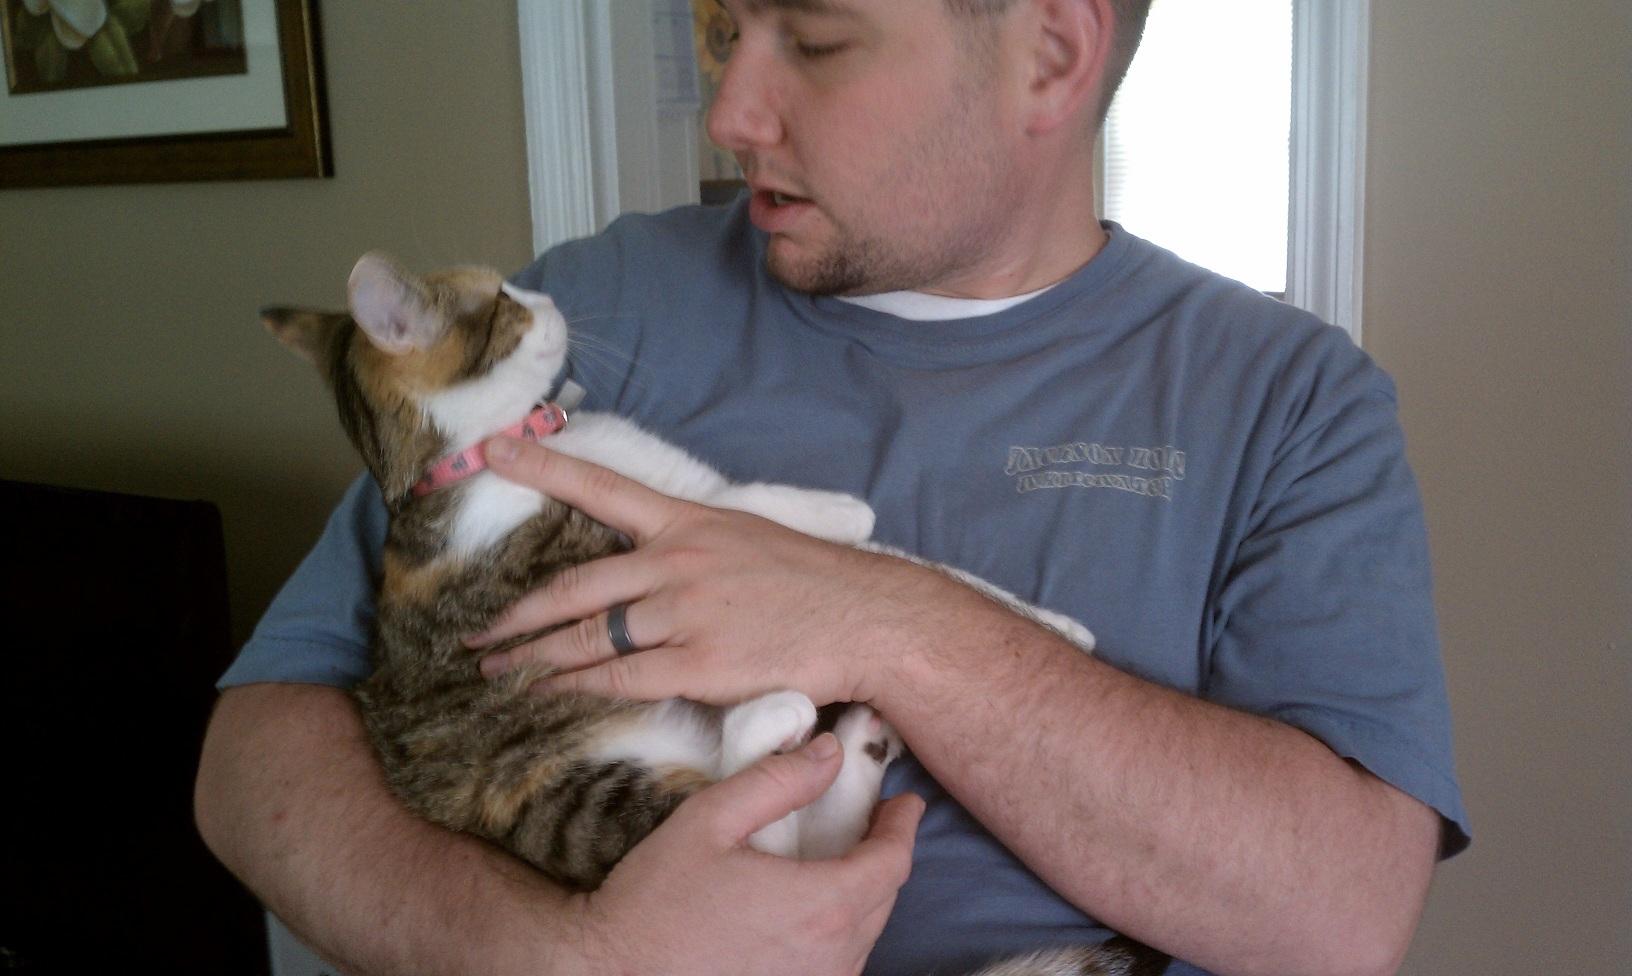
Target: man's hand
[(695, 885), (724, 605), (1239, 844), (291, 798)]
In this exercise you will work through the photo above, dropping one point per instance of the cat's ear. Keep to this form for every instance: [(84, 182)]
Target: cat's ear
[(392, 307), (308, 332), (533, 301)]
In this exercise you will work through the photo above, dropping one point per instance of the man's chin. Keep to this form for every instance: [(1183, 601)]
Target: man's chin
[(821, 275)]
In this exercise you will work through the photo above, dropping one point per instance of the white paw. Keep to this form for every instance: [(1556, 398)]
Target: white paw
[(838, 517), (771, 723), (1066, 627), (829, 515), (865, 735), (780, 838), (838, 819)]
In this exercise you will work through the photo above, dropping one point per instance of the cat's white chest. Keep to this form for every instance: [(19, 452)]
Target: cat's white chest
[(488, 511)]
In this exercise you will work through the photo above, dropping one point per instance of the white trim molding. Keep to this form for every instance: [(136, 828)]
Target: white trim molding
[(556, 102), (598, 140), (1325, 252)]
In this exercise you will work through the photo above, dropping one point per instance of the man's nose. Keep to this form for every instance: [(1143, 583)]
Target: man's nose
[(744, 115)]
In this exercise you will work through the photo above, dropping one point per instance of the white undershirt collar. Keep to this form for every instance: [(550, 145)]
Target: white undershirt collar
[(920, 306)]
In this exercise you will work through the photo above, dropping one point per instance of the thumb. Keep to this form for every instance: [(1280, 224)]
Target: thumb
[(879, 865), (896, 820), (769, 790)]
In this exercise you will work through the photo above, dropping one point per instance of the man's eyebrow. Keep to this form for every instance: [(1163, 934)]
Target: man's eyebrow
[(827, 7)]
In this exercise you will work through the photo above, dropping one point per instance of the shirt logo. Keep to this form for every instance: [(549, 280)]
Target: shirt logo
[(1084, 465)]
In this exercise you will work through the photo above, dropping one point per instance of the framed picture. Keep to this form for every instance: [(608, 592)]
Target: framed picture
[(712, 34), (146, 91)]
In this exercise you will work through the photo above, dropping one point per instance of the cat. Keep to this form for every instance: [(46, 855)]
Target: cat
[(422, 370)]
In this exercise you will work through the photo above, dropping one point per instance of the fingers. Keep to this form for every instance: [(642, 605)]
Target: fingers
[(573, 593), (604, 495), (866, 881), (895, 822), (587, 642), (581, 645), (640, 677), (767, 791), (881, 862)]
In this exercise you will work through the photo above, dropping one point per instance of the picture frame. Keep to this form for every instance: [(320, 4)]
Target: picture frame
[(712, 35), (268, 122)]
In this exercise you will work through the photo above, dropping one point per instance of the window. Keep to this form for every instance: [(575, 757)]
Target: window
[(1197, 144), (1238, 141)]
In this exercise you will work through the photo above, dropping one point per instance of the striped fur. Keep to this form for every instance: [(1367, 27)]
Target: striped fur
[(478, 756), (1118, 957)]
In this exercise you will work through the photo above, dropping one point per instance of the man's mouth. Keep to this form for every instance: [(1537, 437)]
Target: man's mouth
[(774, 211)]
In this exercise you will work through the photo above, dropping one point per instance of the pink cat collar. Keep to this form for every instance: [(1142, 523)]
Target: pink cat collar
[(545, 420)]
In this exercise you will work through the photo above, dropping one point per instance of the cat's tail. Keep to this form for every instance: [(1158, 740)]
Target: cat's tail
[(1119, 957)]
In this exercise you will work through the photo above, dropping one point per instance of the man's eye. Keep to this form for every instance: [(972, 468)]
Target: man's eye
[(817, 51), (720, 36)]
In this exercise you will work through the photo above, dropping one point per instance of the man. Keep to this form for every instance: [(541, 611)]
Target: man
[(1251, 774)]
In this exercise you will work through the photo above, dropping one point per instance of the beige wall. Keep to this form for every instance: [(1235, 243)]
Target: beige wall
[(1498, 261), (130, 354), (1497, 294)]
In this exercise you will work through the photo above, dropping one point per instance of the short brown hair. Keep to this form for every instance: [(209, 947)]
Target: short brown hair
[(1127, 28)]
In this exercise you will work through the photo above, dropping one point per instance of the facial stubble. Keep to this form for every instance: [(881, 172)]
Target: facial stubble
[(859, 262)]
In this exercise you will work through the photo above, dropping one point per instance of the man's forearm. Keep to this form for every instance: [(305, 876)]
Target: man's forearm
[(291, 798), (1238, 843)]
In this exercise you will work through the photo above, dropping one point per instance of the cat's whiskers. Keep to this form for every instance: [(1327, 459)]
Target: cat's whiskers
[(602, 352), (592, 352)]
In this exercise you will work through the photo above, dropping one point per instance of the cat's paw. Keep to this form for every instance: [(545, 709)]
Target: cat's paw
[(1066, 627), (829, 515), (866, 736), (842, 518), (778, 722), (838, 819)]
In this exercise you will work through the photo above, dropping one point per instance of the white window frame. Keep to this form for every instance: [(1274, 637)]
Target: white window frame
[(1326, 232), (597, 144), (596, 147)]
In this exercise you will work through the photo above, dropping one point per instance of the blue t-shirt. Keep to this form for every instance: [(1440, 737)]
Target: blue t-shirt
[(1214, 482)]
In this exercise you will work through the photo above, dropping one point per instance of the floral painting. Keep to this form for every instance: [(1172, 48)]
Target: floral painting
[(55, 45), (712, 33)]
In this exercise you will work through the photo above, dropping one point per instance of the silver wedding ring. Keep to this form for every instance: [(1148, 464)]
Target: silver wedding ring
[(617, 628)]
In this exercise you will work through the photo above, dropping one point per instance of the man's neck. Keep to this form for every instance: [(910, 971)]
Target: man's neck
[(1023, 278), (1050, 236)]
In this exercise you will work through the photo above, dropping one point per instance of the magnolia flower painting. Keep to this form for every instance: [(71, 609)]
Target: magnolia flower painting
[(713, 34), (52, 45)]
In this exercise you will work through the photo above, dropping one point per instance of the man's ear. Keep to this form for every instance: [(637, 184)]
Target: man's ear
[(1071, 44), (393, 307), (308, 332)]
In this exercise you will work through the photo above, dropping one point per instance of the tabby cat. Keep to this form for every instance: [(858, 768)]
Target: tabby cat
[(425, 368)]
